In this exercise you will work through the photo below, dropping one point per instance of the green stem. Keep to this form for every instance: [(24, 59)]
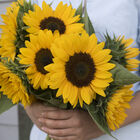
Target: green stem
[(48, 138)]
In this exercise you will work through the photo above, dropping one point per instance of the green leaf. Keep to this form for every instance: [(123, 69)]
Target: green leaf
[(48, 97), (91, 29), (5, 104), (56, 103), (99, 119), (79, 11), (122, 76), (86, 21), (88, 24), (117, 48)]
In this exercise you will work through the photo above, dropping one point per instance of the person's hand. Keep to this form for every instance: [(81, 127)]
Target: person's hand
[(35, 110), (69, 125)]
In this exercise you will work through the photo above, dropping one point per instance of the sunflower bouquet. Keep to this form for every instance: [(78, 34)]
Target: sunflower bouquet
[(54, 56)]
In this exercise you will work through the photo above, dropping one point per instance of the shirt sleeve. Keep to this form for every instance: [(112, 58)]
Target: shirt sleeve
[(136, 86)]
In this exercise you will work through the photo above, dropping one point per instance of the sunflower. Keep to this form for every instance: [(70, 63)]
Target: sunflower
[(80, 68), (119, 101), (62, 19), (37, 55), (21, 2), (8, 35), (12, 87), (131, 63)]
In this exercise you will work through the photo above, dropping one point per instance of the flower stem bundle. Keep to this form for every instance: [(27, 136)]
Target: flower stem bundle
[(54, 56)]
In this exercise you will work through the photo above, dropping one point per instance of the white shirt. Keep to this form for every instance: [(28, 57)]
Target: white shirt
[(119, 17)]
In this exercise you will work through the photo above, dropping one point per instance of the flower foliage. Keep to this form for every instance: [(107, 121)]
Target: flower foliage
[(118, 102), (80, 71), (53, 55)]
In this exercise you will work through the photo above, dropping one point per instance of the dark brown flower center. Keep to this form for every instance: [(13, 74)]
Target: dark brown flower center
[(52, 23), (43, 58), (80, 69)]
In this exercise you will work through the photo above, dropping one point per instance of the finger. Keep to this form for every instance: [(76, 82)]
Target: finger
[(64, 138), (47, 108), (56, 124), (41, 106), (59, 132), (58, 114)]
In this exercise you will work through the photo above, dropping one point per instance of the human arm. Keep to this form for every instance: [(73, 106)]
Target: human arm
[(73, 124), (70, 120), (134, 112), (84, 130), (35, 110)]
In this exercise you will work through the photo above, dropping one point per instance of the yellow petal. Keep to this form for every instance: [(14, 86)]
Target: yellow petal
[(60, 53), (59, 92), (73, 95), (99, 91), (127, 42), (103, 74), (85, 95), (100, 83), (107, 66), (66, 90)]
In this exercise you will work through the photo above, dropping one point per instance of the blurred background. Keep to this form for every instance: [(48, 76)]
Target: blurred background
[(14, 124)]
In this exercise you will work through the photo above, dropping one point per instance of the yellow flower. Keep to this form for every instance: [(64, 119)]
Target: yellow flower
[(12, 87), (116, 107), (21, 2), (62, 19), (37, 55), (8, 35), (80, 68), (131, 52)]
